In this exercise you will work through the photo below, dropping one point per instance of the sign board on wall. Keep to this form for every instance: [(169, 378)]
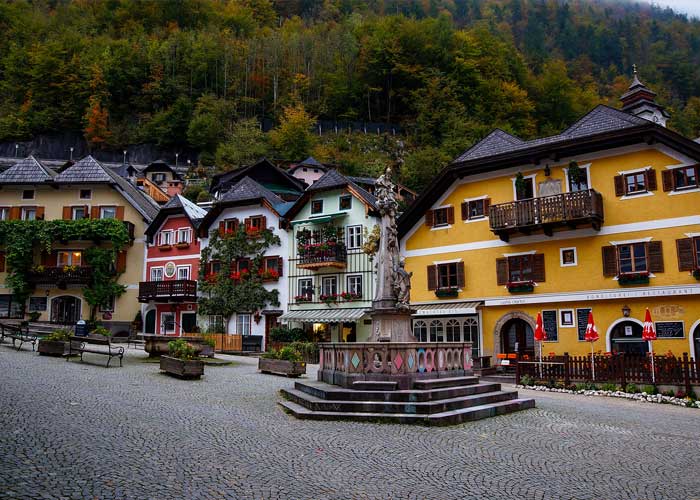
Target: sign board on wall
[(549, 322), (582, 322), (37, 304), (669, 330)]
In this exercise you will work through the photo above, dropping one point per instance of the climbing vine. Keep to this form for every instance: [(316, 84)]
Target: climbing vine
[(228, 291), (20, 238)]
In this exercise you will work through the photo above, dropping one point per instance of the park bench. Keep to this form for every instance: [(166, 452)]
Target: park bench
[(95, 345), (18, 333)]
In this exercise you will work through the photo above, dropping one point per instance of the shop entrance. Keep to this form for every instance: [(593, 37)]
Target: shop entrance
[(626, 337), (517, 337), (65, 309)]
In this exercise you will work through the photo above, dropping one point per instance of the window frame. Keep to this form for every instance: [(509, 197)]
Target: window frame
[(632, 257), (70, 261), (184, 230), (449, 275), (188, 268), (314, 205), (158, 177), (5, 213), (482, 204), (451, 323), (570, 183), (329, 279), (243, 323), (108, 207), (110, 307), (439, 332), (441, 210), (74, 209), (161, 237), (163, 329), (25, 211), (161, 269), (33, 194), (350, 239), (521, 267), (352, 289), (302, 291), (645, 182), (345, 197), (420, 330), (696, 172), (561, 257)]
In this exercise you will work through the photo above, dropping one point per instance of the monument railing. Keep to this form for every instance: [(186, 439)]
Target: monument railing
[(395, 358)]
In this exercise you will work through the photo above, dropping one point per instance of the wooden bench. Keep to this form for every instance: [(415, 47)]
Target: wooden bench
[(95, 345), (18, 333)]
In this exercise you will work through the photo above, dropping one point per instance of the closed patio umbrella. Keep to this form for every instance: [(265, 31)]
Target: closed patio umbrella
[(540, 336), (591, 336), (649, 335)]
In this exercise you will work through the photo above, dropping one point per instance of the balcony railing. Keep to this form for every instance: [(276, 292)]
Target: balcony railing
[(60, 276), (168, 291), (546, 213), (318, 255)]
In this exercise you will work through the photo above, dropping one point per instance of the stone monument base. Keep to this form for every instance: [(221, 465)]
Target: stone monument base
[(392, 325)]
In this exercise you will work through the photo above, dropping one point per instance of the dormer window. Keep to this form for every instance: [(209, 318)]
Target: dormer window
[(158, 178), (316, 207), (166, 238), (345, 202), (184, 235)]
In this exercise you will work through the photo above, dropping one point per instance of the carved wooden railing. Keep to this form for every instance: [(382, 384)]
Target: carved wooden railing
[(167, 290), (60, 275)]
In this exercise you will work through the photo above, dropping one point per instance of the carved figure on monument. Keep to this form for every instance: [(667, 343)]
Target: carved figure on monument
[(388, 251), (403, 286)]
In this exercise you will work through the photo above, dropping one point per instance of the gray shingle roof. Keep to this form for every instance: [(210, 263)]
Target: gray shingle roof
[(334, 179), (248, 190), (599, 120), (85, 170), (27, 171), (192, 210), (311, 161)]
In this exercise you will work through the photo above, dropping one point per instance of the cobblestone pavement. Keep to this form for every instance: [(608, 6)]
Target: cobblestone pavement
[(71, 430)]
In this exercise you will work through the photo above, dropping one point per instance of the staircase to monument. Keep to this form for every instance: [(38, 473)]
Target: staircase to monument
[(443, 401)]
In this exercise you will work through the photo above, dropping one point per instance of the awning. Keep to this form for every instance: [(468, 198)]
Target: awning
[(323, 315), (446, 308), (321, 219)]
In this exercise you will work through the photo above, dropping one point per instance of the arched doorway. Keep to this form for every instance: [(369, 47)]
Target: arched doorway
[(65, 309), (626, 336), (696, 342), (150, 323), (517, 337)]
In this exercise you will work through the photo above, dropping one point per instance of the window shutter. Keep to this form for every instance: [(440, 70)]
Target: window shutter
[(460, 274), (686, 254), (49, 259), (95, 212), (432, 277), (40, 213), (487, 204), (610, 261), (246, 222), (222, 228), (2, 262), (450, 215), (16, 213), (502, 271), (619, 185), (667, 180), (66, 213), (538, 267), (430, 218), (655, 255), (263, 222), (651, 180), (465, 210), (121, 261), (119, 213), (280, 265)]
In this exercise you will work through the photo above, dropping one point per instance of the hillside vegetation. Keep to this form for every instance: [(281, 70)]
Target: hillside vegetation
[(203, 73)]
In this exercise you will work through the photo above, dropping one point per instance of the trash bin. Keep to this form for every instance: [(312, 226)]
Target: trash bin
[(81, 329)]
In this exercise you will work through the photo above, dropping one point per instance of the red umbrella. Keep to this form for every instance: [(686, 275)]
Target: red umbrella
[(649, 335), (540, 336), (591, 336)]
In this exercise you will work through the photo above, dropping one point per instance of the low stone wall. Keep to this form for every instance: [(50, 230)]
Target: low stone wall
[(403, 362)]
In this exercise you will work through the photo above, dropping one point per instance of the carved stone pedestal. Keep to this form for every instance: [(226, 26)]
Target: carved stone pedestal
[(391, 325)]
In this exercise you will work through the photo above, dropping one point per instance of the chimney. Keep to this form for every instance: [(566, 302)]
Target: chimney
[(174, 188)]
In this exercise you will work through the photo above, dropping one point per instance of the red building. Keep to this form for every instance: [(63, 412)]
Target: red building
[(169, 289)]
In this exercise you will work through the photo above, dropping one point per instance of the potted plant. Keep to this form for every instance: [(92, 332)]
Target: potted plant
[(350, 296), (288, 361), (640, 278), (182, 244), (55, 343), (447, 292), (101, 331), (520, 286), (34, 316), (299, 299), (329, 299), (182, 360), (208, 346)]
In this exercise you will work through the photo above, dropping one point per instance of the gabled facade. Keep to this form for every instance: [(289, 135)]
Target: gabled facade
[(602, 218), (250, 206), (169, 288), (84, 190), (266, 174), (331, 280)]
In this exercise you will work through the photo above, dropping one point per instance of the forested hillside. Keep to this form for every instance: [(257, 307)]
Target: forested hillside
[(203, 73)]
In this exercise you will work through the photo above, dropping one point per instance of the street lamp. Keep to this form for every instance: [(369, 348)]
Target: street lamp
[(71, 153), (176, 155), (16, 150), (124, 162)]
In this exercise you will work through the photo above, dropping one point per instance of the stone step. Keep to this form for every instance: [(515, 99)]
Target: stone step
[(374, 385), (441, 383), (336, 393), (423, 408), (445, 418)]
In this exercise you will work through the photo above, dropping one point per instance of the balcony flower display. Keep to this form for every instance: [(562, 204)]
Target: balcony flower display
[(451, 291), (269, 274), (68, 268), (302, 298), (350, 296), (520, 286), (330, 298), (638, 278)]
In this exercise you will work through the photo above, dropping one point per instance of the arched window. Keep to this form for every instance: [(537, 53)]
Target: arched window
[(471, 334), (420, 330), (453, 331), (436, 331)]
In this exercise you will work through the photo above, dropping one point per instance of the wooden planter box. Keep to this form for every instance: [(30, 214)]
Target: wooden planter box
[(282, 367), (180, 368), (157, 345), (51, 347)]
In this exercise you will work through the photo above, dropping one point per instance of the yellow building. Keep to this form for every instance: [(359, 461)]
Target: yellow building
[(603, 217), (86, 190)]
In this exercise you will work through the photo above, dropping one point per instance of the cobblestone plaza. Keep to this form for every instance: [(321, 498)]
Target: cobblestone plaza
[(71, 430)]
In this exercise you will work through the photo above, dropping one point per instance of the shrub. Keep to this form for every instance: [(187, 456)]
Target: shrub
[(34, 316), (209, 340), (609, 387), (526, 380), (101, 330), (60, 335), (181, 349), (287, 353), (680, 393), (668, 393), (631, 389), (650, 389), (308, 350), (285, 334)]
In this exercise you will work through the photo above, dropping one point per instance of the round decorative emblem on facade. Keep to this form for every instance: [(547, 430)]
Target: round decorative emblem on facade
[(169, 269)]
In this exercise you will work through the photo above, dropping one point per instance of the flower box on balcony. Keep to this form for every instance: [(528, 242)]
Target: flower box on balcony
[(182, 245), (268, 275), (520, 286), (165, 247), (446, 292), (329, 299), (302, 299), (641, 278), (350, 296)]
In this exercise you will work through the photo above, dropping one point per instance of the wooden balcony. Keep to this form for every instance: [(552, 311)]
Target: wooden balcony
[(324, 255), (547, 213), (168, 291), (60, 276)]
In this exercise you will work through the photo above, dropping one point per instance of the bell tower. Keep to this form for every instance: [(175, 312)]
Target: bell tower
[(640, 100)]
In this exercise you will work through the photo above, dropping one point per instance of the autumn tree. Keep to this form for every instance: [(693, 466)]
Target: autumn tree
[(293, 138)]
